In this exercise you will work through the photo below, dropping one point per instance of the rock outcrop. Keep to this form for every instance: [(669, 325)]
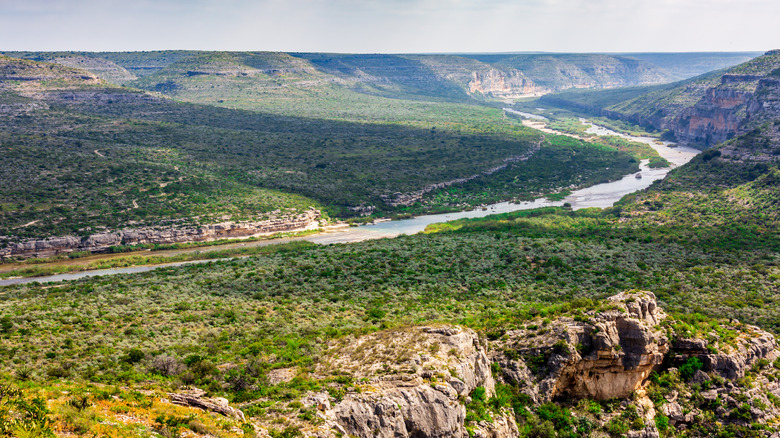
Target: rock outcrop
[(416, 382), (602, 355), (419, 381), (728, 361), (196, 398), (719, 115), (101, 242), (511, 84)]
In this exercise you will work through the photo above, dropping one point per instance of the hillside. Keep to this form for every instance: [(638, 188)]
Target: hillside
[(656, 317), (682, 66), (536, 336), (702, 111), (254, 80), (733, 185), (557, 72), (86, 157)]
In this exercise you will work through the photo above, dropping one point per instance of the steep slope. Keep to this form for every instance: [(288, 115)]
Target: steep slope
[(733, 186), (703, 111), (687, 65), (560, 72), (83, 175), (457, 77)]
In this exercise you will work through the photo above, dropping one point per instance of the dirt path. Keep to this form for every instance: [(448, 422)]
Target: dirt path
[(98, 152), (27, 224)]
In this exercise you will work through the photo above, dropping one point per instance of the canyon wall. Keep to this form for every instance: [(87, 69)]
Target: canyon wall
[(102, 242)]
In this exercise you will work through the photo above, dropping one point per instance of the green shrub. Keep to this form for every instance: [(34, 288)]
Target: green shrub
[(477, 410), (689, 368), (661, 422), (617, 427)]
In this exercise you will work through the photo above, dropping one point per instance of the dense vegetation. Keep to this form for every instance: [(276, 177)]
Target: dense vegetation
[(94, 356), (279, 310), (84, 156)]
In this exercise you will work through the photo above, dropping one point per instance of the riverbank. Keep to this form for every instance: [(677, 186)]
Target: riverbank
[(599, 196)]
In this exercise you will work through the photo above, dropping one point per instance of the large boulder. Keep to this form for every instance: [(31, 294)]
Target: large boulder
[(416, 381), (603, 354)]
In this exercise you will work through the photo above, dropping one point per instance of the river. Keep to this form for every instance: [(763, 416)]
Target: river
[(599, 195)]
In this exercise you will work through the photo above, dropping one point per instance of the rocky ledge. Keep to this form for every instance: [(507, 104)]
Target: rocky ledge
[(621, 367), (608, 354), (101, 242), (415, 382)]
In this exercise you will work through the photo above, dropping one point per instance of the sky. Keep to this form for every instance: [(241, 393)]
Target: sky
[(391, 26)]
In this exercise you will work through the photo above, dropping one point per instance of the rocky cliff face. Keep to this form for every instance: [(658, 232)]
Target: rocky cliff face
[(609, 355), (511, 84), (738, 104), (28, 71), (101, 242), (712, 109), (719, 115), (419, 381), (416, 381)]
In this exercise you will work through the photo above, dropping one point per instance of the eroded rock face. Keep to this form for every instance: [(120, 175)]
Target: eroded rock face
[(502, 426), (732, 361), (99, 242), (607, 354), (196, 398), (511, 84), (718, 115), (416, 378), (415, 382)]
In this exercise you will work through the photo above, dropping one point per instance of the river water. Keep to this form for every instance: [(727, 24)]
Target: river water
[(600, 195)]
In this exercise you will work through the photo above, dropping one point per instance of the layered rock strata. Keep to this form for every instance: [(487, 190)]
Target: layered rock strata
[(416, 381), (510, 84), (608, 355), (101, 242)]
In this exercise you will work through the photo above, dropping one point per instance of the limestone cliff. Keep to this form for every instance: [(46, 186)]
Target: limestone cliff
[(709, 110), (608, 355), (415, 382), (509, 84), (423, 381), (101, 242), (719, 115)]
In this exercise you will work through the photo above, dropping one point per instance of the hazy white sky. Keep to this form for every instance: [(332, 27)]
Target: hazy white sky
[(391, 25)]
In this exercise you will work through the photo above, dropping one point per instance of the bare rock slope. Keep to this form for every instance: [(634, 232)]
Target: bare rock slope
[(416, 381), (103, 241)]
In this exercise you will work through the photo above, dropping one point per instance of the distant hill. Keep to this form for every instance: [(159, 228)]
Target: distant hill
[(687, 65), (198, 76), (700, 111)]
